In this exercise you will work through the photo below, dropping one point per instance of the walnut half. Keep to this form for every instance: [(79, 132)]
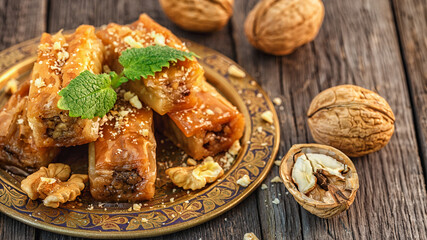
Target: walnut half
[(321, 178), (195, 177), (49, 184)]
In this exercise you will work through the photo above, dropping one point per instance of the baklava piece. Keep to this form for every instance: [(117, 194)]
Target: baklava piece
[(122, 162), (169, 90), (60, 59), (212, 126), (17, 147)]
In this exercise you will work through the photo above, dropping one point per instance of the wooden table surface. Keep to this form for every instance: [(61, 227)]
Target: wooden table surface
[(380, 45)]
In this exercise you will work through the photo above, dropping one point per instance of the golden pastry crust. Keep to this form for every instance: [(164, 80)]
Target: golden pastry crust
[(210, 127), (122, 162), (170, 89), (17, 146), (60, 59)]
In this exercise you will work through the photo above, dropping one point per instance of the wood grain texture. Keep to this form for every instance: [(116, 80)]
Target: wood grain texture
[(20, 20), (411, 18), (357, 44), (281, 221)]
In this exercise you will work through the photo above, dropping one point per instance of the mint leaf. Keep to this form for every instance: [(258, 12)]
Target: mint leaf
[(88, 95), (144, 62)]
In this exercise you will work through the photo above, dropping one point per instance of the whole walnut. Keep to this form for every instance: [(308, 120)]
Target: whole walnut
[(198, 15), (355, 120), (280, 26)]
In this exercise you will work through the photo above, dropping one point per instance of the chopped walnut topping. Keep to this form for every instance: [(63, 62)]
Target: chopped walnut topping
[(276, 201), (191, 162), (244, 181), (134, 101), (39, 83), (234, 71), (57, 46), (210, 112), (132, 43), (128, 95), (159, 39), (145, 132), (264, 186), (277, 162), (267, 116)]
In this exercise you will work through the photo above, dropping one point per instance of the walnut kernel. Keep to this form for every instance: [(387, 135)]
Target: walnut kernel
[(195, 177), (321, 178), (47, 183)]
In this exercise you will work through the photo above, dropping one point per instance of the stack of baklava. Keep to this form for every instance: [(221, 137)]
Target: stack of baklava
[(122, 149)]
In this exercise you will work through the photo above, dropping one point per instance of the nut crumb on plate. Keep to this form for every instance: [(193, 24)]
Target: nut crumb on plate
[(276, 179), (244, 181), (250, 236), (264, 186), (276, 201), (277, 101), (267, 116), (234, 71)]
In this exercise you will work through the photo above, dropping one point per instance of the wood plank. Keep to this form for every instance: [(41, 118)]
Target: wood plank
[(280, 221), (357, 44), (70, 13), (411, 18), (363, 50), (20, 20)]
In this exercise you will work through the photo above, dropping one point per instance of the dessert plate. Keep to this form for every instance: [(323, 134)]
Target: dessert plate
[(172, 208)]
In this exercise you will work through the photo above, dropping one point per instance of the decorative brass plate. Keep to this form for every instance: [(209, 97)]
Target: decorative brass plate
[(161, 215)]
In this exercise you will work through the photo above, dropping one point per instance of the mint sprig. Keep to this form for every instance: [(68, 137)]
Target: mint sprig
[(92, 95)]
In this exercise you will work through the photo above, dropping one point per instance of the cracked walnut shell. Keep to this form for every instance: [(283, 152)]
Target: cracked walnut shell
[(198, 15), (49, 184), (322, 179), (195, 177), (355, 120), (280, 26)]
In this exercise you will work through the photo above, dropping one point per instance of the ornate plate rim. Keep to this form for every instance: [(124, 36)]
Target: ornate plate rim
[(29, 220)]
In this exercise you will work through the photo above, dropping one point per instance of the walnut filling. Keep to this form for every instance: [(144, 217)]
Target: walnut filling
[(58, 127), (216, 137), (176, 89), (124, 182)]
